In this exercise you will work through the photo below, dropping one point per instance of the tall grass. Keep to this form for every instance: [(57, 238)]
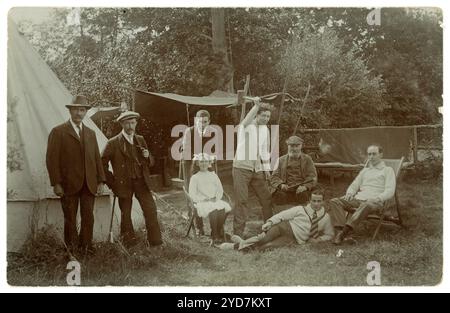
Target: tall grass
[(408, 256)]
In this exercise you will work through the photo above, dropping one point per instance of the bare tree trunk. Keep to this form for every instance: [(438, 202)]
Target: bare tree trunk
[(219, 40)]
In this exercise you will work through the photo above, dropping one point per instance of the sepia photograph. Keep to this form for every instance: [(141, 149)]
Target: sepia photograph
[(224, 146)]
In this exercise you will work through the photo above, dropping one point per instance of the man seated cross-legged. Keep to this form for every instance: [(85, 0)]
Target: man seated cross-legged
[(374, 185)]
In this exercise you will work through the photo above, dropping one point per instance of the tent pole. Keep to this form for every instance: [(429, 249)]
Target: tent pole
[(187, 115), (283, 97), (415, 153)]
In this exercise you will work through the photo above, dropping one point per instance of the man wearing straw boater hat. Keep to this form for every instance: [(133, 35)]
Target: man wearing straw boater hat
[(76, 173), (131, 162)]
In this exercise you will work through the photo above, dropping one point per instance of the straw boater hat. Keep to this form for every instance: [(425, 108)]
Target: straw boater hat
[(128, 115), (78, 101)]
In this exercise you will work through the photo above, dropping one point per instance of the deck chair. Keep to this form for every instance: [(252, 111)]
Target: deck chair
[(191, 206), (382, 218)]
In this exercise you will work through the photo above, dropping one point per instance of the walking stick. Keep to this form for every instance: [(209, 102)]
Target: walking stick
[(111, 235)]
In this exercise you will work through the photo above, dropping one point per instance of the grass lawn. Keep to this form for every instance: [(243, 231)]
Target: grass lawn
[(408, 256)]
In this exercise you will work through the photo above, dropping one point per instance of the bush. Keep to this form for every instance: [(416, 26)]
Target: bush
[(429, 169)]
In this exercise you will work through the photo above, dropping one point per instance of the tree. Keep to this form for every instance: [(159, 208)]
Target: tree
[(406, 50), (171, 50), (332, 83)]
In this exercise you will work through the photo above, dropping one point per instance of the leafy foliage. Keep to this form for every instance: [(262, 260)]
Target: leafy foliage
[(380, 75)]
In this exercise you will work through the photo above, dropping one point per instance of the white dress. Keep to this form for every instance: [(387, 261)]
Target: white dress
[(207, 186)]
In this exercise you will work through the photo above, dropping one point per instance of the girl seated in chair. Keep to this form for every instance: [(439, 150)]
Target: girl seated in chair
[(206, 191)]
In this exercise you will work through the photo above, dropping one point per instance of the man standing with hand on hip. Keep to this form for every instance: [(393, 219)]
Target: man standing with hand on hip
[(76, 173), (131, 162)]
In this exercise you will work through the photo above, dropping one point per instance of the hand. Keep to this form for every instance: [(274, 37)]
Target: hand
[(348, 197), (301, 189), (314, 240), (267, 175), (100, 189), (58, 190), (284, 187), (374, 201), (267, 226), (145, 153)]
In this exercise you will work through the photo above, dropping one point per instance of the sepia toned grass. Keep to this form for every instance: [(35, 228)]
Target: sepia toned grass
[(410, 256)]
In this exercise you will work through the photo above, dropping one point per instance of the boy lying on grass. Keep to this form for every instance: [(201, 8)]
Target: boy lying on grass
[(299, 224)]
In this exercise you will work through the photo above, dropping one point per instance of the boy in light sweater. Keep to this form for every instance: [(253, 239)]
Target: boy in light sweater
[(299, 224)]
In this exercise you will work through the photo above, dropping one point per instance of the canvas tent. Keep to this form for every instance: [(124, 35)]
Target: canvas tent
[(36, 103)]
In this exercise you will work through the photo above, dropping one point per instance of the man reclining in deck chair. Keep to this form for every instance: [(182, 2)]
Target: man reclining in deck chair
[(299, 224), (374, 185)]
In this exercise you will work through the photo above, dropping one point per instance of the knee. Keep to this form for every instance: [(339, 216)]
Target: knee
[(335, 201), (240, 203), (331, 204)]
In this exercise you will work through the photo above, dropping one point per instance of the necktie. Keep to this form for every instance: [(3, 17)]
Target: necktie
[(314, 233)]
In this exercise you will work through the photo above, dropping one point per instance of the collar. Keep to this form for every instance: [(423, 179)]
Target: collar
[(75, 127), (310, 211), (379, 166), (257, 125), (129, 138), (299, 158), (203, 132)]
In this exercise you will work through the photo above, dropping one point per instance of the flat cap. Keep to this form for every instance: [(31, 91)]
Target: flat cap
[(294, 140)]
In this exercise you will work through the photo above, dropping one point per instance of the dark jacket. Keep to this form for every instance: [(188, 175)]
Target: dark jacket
[(69, 162), (119, 180), (279, 176)]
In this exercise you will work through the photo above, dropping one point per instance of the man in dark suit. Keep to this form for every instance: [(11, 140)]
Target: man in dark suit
[(131, 162), (76, 173)]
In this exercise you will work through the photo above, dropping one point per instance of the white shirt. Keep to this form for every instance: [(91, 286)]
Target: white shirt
[(75, 127), (253, 154), (202, 132), (129, 138)]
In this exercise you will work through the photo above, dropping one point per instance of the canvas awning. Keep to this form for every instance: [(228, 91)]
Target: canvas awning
[(217, 98), (190, 100), (97, 113)]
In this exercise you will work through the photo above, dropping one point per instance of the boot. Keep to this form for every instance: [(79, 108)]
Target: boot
[(342, 235)]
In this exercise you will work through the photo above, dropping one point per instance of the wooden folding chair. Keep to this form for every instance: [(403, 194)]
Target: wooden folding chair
[(382, 218), (192, 209), (191, 205)]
